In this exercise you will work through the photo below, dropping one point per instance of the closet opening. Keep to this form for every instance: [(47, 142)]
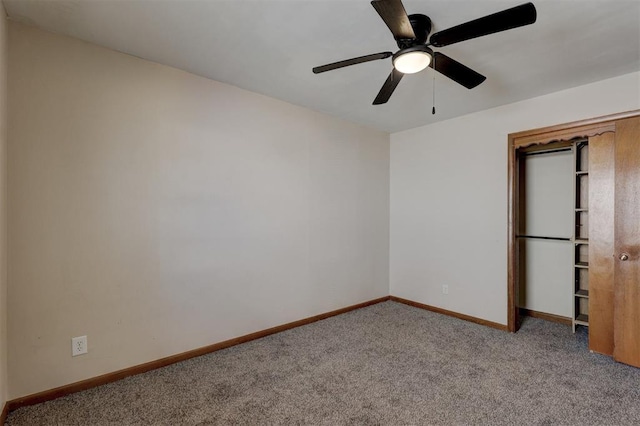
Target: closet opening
[(548, 217), (551, 231)]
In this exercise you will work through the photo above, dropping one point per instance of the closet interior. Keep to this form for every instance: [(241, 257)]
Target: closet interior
[(552, 232)]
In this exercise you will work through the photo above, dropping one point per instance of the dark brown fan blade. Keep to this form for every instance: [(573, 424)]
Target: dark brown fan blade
[(456, 71), (515, 17), (353, 61), (393, 14), (388, 87)]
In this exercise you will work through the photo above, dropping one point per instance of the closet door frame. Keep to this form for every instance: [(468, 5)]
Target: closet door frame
[(538, 140)]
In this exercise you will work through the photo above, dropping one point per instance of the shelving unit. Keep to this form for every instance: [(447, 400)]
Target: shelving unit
[(581, 235)]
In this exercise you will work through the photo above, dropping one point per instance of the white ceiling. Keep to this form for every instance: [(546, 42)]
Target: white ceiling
[(270, 46)]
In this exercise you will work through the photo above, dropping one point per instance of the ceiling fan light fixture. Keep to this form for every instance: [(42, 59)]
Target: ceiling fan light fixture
[(411, 33), (412, 59)]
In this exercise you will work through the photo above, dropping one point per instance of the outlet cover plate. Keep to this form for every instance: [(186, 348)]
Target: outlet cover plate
[(79, 345)]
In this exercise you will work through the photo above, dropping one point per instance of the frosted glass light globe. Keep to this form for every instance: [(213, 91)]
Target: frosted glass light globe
[(412, 62)]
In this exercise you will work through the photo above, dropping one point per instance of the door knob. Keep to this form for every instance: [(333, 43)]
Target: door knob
[(624, 256)]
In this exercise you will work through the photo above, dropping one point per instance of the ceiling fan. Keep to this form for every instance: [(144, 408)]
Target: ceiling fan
[(411, 33)]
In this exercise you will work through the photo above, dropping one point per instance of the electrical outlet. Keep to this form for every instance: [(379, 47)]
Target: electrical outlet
[(445, 289), (79, 346)]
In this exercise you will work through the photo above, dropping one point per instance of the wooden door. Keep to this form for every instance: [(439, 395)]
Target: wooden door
[(601, 242), (627, 242)]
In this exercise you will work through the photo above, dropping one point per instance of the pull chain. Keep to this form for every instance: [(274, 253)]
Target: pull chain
[(433, 109)]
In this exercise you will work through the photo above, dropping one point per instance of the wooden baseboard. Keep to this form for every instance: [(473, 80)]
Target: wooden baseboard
[(58, 392), (4, 414), (450, 313), (545, 316)]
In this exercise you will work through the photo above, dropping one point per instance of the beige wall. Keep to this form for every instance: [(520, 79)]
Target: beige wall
[(3, 193), (449, 196), (157, 212)]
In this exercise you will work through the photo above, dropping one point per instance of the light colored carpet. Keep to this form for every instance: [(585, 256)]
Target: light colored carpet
[(387, 364)]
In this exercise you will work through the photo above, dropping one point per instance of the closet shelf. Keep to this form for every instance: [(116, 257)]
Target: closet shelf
[(582, 319), (580, 237), (582, 293)]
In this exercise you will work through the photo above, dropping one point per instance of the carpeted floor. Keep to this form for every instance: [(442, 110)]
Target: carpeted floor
[(387, 364)]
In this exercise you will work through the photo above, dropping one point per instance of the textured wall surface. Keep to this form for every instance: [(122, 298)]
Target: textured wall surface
[(156, 211), (449, 196)]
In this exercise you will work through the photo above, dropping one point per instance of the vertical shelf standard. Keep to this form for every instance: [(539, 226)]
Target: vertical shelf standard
[(580, 235)]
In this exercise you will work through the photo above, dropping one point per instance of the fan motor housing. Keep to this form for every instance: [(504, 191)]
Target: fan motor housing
[(421, 25)]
